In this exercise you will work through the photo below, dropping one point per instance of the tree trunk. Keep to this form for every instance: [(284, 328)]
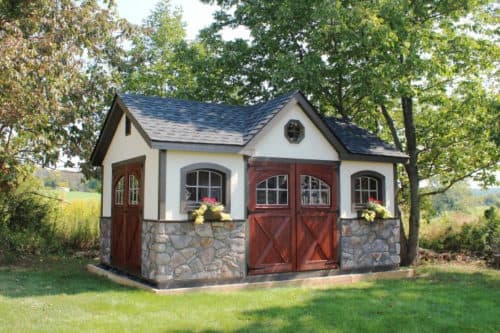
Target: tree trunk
[(412, 171)]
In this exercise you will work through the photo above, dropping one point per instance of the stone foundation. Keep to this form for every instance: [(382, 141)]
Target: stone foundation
[(181, 251), (369, 245), (105, 240)]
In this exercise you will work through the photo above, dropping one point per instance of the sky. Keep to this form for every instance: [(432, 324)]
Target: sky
[(196, 15)]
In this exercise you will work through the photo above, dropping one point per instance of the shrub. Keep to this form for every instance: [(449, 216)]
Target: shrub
[(33, 221), (480, 236)]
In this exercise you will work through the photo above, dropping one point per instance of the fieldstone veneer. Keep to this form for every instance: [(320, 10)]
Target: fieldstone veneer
[(183, 251), (369, 245), (105, 240)]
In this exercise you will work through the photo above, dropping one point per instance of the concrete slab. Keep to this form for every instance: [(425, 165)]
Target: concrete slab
[(311, 282)]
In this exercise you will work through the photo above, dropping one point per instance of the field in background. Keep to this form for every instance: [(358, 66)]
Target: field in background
[(75, 195)]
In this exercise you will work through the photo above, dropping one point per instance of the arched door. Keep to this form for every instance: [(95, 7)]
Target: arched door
[(127, 217)]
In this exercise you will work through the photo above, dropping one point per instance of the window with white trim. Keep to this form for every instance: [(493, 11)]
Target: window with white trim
[(273, 191), (203, 183), (365, 186)]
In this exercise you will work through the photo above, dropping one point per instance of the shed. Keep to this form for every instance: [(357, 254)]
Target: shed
[(292, 180)]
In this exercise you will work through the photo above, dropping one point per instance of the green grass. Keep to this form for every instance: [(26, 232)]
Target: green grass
[(59, 296)]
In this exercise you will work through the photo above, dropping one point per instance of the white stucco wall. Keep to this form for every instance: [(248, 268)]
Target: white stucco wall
[(271, 141), (176, 160), (122, 148), (347, 168)]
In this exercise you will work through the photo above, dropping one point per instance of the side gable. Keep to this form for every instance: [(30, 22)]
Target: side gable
[(115, 113)]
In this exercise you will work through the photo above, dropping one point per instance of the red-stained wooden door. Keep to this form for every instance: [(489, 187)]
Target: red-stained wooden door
[(126, 217), (292, 217), (316, 214)]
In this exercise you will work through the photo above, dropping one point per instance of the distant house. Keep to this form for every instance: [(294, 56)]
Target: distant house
[(292, 180)]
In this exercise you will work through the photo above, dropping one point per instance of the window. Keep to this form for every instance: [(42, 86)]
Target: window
[(365, 185), (202, 184), (204, 180), (314, 191), (294, 131), (128, 126), (119, 188), (273, 191), (133, 190)]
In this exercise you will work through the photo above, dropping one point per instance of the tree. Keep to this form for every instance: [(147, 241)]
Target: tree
[(56, 78), (420, 73)]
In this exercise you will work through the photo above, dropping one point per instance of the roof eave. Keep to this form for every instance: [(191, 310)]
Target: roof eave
[(376, 158)]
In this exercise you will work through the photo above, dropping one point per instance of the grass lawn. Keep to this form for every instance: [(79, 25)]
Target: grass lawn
[(58, 295)]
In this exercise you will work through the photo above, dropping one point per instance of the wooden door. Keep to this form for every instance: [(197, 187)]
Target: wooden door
[(316, 211), (127, 217), (295, 234), (271, 218)]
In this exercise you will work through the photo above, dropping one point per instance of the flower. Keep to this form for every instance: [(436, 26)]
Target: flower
[(210, 210), (375, 210)]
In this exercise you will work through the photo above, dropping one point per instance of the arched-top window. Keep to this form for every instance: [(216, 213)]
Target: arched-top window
[(119, 189), (133, 190), (366, 185), (273, 191), (314, 191), (204, 180)]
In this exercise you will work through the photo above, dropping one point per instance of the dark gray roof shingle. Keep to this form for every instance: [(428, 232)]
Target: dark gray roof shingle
[(360, 141), (174, 120)]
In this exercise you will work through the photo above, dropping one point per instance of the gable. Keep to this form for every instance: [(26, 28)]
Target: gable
[(271, 140)]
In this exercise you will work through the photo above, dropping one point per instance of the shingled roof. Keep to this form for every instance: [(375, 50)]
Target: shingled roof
[(166, 120)]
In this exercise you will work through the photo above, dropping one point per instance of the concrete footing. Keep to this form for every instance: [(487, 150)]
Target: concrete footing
[(313, 282)]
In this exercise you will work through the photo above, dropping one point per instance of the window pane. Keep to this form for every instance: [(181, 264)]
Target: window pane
[(357, 197), (305, 197), (191, 178), (271, 197), (203, 178), (190, 194), (283, 182), (262, 184), (215, 179), (271, 182), (373, 184), (283, 197), (202, 193), (304, 182), (261, 197), (119, 189), (314, 183), (324, 198), (216, 193), (364, 197), (364, 183)]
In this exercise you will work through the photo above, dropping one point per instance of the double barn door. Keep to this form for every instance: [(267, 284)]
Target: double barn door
[(126, 217), (293, 217)]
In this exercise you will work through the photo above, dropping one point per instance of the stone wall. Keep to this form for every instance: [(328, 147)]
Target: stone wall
[(369, 245), (105, 240), (182, 251)]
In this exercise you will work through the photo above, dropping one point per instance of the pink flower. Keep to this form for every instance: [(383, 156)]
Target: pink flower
[(373, 200), (210, 201)]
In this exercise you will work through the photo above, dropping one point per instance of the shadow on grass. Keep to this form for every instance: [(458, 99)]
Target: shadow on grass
[(43, 277), (440, 301)]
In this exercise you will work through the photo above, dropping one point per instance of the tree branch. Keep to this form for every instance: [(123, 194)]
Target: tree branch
[(454, 181), (390, 123)]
